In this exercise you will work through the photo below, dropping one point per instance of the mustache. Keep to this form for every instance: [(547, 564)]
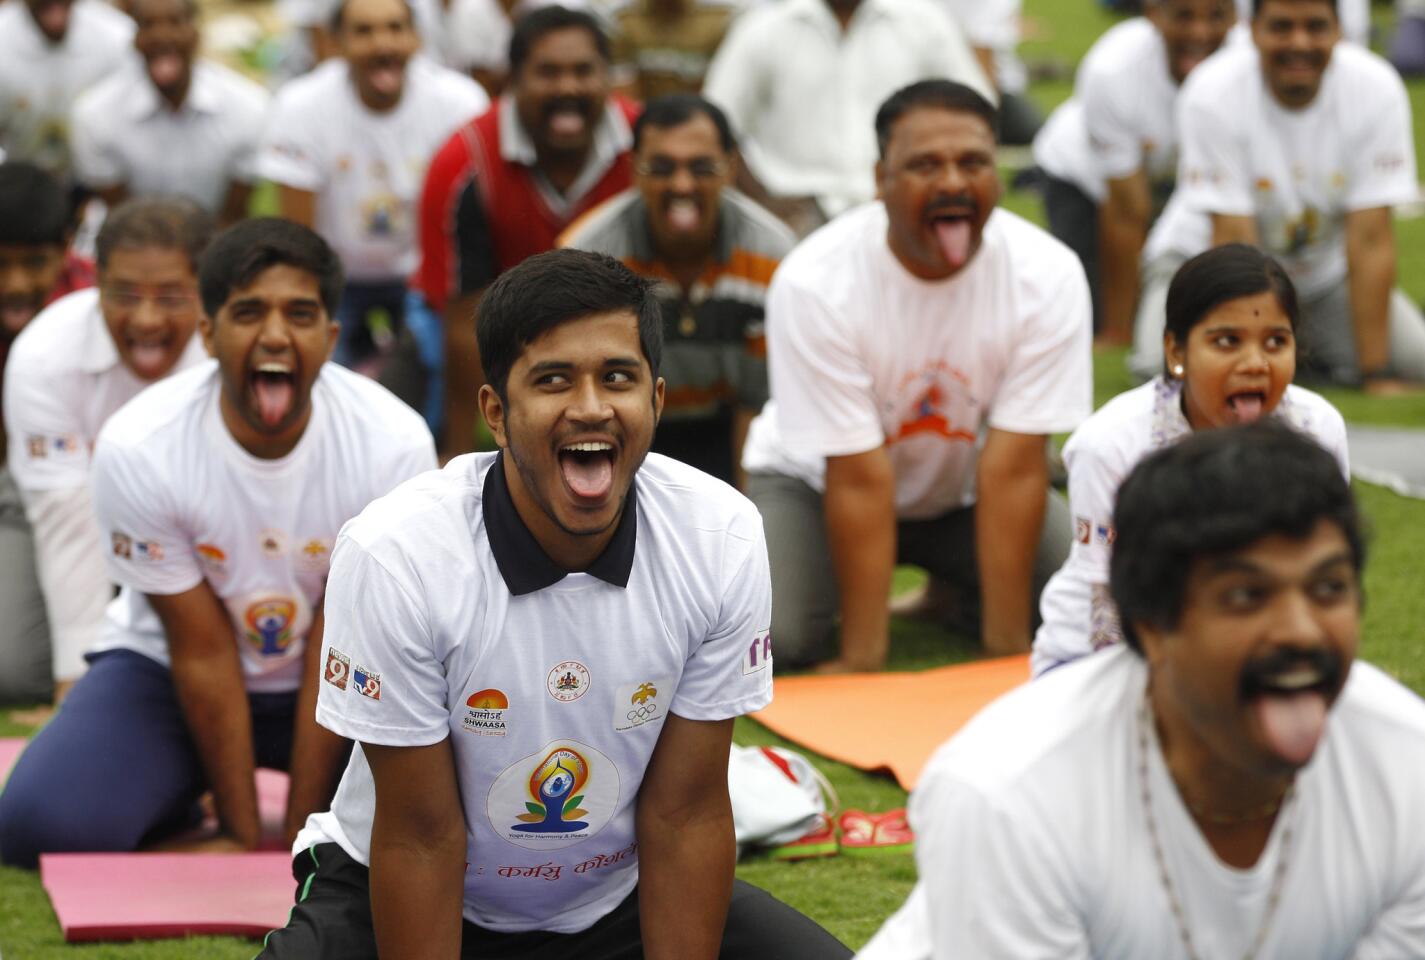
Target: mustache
[(1257, 673), (946, 205)]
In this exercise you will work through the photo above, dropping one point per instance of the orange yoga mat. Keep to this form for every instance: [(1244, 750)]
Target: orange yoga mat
[(887, 721)]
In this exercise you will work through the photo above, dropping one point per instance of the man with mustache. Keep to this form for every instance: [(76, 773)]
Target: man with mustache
[(348, 146), (1110, 151), (1230, 784), (897, 334), (503, 188), (51, 51), (172, 124), (219, 494), (711, 252), (1302, 145)]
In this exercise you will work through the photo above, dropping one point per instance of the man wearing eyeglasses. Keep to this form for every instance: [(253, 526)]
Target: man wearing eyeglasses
[(76, 363), (711, 252)]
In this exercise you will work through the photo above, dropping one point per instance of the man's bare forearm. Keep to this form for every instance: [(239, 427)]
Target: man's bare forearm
[(1121, 237), (316, 751), (1009, 519), (463, 375), (416, 891), (861, 531), (1370, 257), (686, 867), (214, 702)]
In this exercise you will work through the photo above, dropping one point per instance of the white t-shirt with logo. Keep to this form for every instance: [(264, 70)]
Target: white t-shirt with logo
[(366, 168), (126, 134), (1078, 615), (1120, 118), (39, 80), (1032, 840), (63, 379), (553, 698), (179, 502), (862, 354), (1298, 172)]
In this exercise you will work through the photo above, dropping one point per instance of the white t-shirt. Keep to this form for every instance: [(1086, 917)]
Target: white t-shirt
[(803, 94), (862, 353), (39, 81), (445, 619), (125, 133), (366, 168), (179, 502), (63, 379), (994, 25), (1031, 837), (1298, 172), (1078, 614), (1120, 118), (1355, 16)]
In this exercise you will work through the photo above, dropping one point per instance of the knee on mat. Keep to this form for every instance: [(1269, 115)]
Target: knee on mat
[(36, 821)]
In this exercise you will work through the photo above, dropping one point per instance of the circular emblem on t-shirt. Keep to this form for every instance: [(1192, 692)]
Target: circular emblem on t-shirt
[(273, 543), (564, 793), (568, 681), (271, 622)]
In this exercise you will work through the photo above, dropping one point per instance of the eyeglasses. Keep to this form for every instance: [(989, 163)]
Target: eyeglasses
[(129, 297), (662, 168)]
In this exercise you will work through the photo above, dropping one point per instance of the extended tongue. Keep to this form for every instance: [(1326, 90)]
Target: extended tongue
[(954, 237), (1293, 723), (165, 69), (386, 80), (683, 215), (147, 358), (274, 399), (588, 476), (1247, 408), (566, 123)]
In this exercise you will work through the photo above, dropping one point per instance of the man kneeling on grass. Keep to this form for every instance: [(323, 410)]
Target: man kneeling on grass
[(541, 652), (1228, 784)]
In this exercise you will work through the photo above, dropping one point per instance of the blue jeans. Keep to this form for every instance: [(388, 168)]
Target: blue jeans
[(116, 767)]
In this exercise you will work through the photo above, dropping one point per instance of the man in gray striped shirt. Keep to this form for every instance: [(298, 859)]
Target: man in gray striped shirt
[(712, 252)]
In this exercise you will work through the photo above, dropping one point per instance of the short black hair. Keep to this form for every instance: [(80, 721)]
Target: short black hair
[(1220, 275), (1216, 492), (190, 9), (535, 24), (240, 254), (941, 94), (555, 288), (35, 208), (676, 109), (164, 223), (339, 15), (1258, 4)]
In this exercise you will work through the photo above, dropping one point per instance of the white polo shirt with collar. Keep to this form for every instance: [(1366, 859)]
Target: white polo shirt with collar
[(366, 168), (803, 94), (39, 80), (125, 133), (63, 380), (445, 619)]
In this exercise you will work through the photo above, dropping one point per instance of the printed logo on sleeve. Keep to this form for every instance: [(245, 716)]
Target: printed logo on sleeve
[(1104, 535), (338, 668), (643, 702), (759, 654), (485, 712), (123, 546), (1083, 527), (36, 446), (568, 681), (150, 550), (368, 682), (212, 557)]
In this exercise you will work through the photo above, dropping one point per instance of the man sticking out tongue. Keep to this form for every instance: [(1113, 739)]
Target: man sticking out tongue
[(1230, 783)]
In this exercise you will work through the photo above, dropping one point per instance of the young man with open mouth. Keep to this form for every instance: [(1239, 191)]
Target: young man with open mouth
[(1228, 784), (561, 633), (219, 494)]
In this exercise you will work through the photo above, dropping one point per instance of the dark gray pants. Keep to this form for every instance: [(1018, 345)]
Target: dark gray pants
[(26, 675), (1073, 218), (804, 598)]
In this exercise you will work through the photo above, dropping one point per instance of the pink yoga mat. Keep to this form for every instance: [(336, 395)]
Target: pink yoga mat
[(10, 748), (128, 896)]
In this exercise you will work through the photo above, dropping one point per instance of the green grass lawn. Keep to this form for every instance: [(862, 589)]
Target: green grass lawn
[(851, 897)]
